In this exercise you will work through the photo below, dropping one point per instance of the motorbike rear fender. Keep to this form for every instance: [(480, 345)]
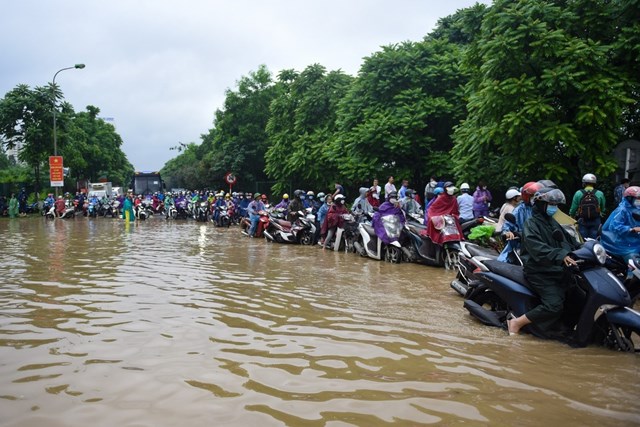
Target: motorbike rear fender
[(625, 317), (396, 244), (519, 298)]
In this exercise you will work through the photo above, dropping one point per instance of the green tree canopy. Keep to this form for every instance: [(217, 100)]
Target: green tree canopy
[(302, 123), (543, 97), (397, 117)]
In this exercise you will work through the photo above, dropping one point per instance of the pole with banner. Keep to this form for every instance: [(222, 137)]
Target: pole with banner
[(56, 171)]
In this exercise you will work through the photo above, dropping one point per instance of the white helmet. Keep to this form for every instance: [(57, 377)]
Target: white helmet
[(589, 179), (511, 193), (464, 186), (339, 198)]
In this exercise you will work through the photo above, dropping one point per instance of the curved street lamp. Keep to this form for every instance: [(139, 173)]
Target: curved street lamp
[(55, 137)]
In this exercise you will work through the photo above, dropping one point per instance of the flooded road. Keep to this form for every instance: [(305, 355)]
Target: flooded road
[(178, 323)]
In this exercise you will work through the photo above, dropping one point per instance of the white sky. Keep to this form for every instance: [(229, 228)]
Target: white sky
[(159, 68)]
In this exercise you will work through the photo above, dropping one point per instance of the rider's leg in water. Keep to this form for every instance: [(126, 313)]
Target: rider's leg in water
[(552, 290), (330, 234)]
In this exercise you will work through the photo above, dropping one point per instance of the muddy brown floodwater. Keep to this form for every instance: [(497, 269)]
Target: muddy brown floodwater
[(181, 324)]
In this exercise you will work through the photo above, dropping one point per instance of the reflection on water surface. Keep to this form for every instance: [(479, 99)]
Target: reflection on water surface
[(176, 323)]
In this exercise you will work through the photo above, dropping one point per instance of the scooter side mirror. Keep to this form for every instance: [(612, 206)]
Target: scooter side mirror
[(510, 218), (557, 235)]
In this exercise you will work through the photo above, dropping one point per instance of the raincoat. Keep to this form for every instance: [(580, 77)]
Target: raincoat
[(617, 236), (444, 204), (385, 209)]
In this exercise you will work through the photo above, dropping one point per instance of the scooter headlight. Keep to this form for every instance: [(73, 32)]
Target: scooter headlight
[(392, 226), (600, 253)]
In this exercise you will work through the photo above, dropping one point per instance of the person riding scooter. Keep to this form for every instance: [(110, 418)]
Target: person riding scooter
[(390, 207), (333, 219), (621, 231), (295, 205), (545, 254), (445, 204)]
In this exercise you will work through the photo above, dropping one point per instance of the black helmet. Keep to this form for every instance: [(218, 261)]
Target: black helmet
[(298, 193), (547, 183), (409, 193), (550, 195)]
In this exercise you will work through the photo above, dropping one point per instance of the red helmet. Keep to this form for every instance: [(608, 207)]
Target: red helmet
[(632, 191), (528, 190)]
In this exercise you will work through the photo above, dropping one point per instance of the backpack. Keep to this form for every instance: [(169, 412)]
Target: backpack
[(589, 207)]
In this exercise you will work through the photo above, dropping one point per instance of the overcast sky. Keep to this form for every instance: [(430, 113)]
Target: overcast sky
[(160, 68)]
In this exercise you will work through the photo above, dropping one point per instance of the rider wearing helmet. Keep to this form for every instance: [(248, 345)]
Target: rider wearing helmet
[(465, 203), (409, 204), (444, 204), (308, 202), (361, 205), (586, 208), (284, 203), (544, 257), (512, 197), (621, 231), (522, 213), (333, 219), (295, 205)]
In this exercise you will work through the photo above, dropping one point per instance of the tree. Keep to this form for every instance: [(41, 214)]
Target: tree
[(302, 122), (543, 96), (398, 116), (92, 148), (237, 143), (26, 119)]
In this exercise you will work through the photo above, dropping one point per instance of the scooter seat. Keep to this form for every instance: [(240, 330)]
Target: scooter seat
[(476, 250), (510, 271), (369, 229), (283, 223)]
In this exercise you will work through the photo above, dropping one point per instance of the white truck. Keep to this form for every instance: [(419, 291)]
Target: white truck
[(101, 189)]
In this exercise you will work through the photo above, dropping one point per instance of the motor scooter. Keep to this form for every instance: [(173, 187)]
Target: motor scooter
[(202, 212), (223, 216), (171, 212), (346, 235), (471, 259), (181, 207), (50, 213), (263, 223), (597, 307), (423, 249), (369, 244), (301, 231), (69, 211)]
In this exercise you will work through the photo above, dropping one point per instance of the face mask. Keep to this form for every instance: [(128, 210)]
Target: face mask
[(636, 203), (301, 197), (451, 190), (551, 210)]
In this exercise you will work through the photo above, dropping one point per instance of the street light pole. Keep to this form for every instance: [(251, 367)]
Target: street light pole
[(55, 137)]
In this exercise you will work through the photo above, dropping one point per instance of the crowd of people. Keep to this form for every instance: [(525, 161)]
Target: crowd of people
[(534, 206)]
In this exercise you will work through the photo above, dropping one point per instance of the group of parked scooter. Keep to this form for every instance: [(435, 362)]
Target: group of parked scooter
[(599, 304)]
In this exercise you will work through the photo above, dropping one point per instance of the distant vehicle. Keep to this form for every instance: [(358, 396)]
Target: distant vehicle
[(146, 182), (100, 189)]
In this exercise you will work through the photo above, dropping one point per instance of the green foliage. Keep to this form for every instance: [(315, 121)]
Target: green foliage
[(91, 149), (90, 146), (237, 142), (302, 122), (398, 115), (544, 96)]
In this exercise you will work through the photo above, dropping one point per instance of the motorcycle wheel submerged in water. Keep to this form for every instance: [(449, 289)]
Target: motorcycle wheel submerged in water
[(597, 307)]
